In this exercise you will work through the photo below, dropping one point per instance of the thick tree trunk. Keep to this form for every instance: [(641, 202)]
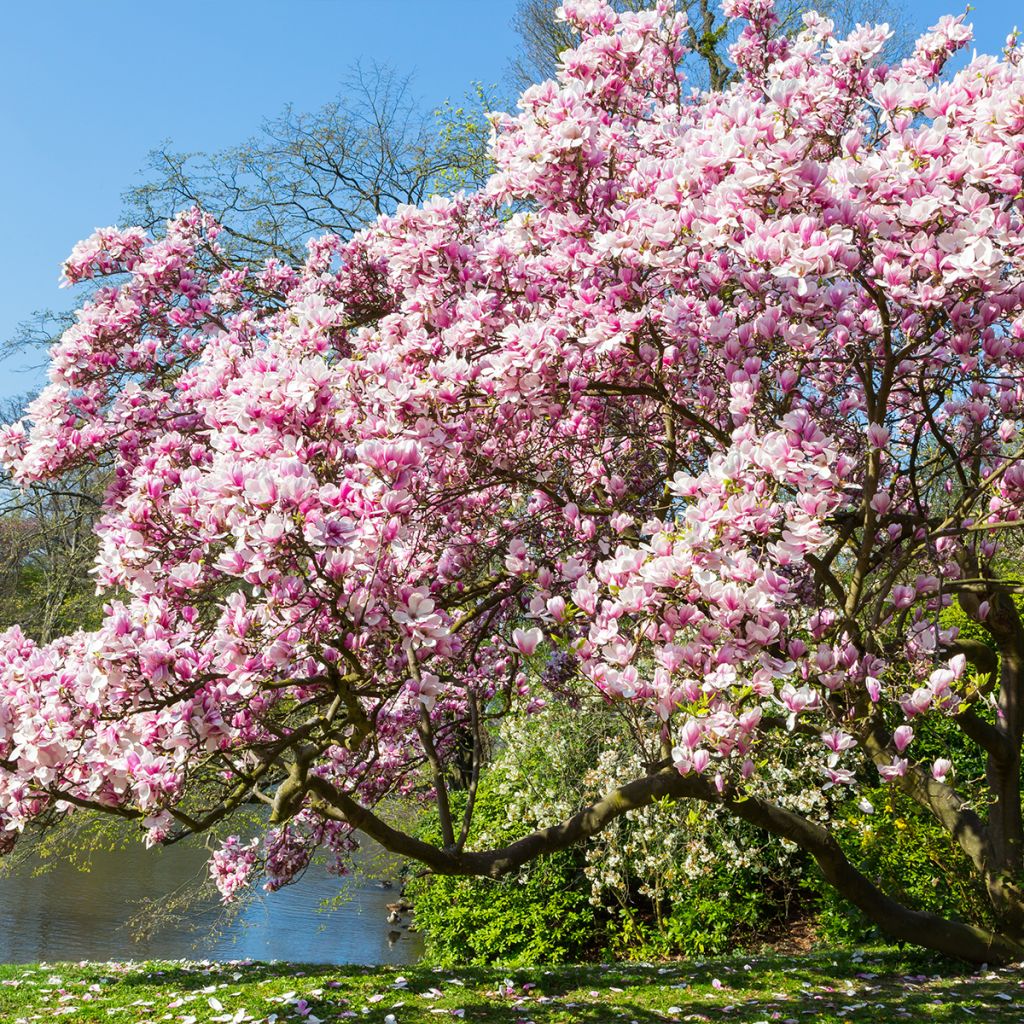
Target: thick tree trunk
[(1003, 769), (1002, 775)]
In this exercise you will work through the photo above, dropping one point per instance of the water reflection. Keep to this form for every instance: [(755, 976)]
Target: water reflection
[(67, 914)]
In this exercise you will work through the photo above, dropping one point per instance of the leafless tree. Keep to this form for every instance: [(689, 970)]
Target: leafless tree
[(367, 151), (47, 547)]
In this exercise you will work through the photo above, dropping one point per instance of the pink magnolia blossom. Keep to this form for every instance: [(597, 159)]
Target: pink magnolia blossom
[(231, 866), (526, 640), (902, 736), (896, 769), (878, 436)]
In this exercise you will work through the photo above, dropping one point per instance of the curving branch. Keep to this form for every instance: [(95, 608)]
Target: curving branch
[(954, 938)]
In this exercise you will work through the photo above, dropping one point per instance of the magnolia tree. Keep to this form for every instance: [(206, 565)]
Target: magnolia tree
[(709, 402)]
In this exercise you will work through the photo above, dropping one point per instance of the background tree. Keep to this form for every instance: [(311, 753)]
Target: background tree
[(374, 147), (336, 169), (47, 548)]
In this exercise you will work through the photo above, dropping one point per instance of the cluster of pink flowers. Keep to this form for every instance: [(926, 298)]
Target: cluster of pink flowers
[(625, 407), (232, 865)]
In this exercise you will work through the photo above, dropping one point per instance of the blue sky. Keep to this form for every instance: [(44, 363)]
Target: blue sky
[(86, 90)]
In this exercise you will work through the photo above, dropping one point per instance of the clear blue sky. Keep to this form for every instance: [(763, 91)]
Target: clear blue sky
[(86, 90)]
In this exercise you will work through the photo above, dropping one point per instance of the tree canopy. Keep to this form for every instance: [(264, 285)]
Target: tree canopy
[(703, 407)]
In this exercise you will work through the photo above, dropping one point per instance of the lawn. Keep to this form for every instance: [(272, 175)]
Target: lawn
[(877, 986)]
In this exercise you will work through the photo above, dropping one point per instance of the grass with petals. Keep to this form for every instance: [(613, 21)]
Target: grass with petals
[(876, 986)]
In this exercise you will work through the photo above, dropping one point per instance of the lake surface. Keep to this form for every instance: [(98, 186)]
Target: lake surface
[(67, 914)]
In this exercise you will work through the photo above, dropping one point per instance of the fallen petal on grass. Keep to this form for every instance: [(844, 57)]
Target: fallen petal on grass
[(826, 988)]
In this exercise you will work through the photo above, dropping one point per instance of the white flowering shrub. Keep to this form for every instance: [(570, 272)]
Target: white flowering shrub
[(667, 877)]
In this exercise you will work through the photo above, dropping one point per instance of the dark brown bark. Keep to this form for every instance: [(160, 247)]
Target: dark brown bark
[(1002, 742)]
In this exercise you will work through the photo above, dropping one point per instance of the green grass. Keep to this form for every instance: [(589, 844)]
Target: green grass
[(878, 986)]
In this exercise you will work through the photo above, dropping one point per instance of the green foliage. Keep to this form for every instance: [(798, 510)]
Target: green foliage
[(908, 856), (705, 915), (721, 884), (461, 160), (540, 915), (970, 628)]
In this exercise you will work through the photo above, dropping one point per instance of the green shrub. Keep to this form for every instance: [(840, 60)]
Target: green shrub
[(539, 915), (907, 855)]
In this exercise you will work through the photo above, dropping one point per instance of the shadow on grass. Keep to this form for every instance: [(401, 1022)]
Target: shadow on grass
[(877, 987)]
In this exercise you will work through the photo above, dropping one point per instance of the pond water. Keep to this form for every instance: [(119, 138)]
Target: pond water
[(68, 914)]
